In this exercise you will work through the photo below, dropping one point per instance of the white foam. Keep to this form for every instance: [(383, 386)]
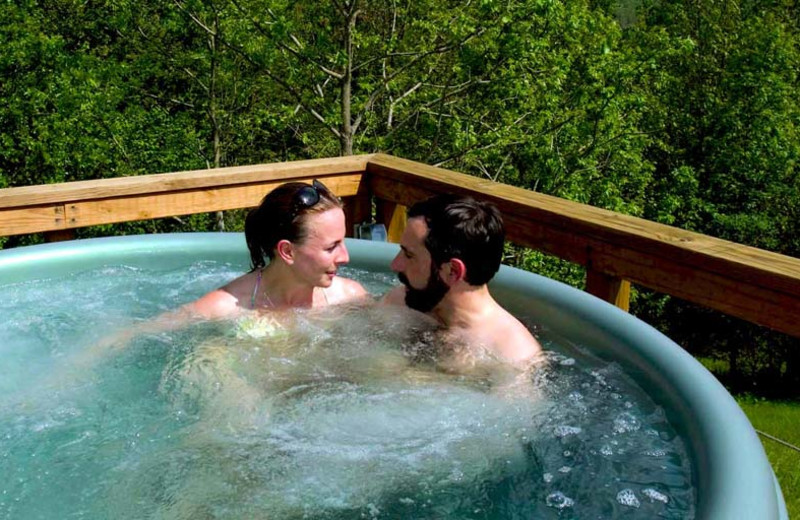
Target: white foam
[(655, 496), (627, 497), (559, 500)]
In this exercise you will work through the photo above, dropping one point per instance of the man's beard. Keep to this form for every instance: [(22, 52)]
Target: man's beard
[(425, 299)]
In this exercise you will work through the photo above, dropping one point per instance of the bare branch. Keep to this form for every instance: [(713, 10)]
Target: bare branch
[(502, 165), (407, 93), (283, 83), (194, 18), (195, 78), (296, 53), (296, 41), (170, 100), (440, 49), (474, 148)]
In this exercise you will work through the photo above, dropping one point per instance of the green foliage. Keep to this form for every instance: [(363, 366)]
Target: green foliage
[(551, 266), (730, 109), (724, 93)]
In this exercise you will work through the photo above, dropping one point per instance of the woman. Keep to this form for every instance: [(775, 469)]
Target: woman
[(300, 228)]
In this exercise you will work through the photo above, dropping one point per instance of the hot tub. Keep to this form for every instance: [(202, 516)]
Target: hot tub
[(732, 476)]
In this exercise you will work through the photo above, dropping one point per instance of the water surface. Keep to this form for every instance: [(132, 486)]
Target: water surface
[(340, 414)]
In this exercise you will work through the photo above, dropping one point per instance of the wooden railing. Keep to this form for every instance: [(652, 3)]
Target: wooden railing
[(617, 250)]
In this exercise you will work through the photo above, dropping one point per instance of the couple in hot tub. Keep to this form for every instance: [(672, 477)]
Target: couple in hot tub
[(451, 247)]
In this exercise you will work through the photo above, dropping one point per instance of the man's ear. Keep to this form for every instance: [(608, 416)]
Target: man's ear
[(456, 271), (285, 250)]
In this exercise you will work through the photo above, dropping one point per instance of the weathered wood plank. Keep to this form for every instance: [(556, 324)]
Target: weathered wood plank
[(747, 264), (358, 208), (746, 282), (156, 205), (31, 219), (177, 181), (717, 290)]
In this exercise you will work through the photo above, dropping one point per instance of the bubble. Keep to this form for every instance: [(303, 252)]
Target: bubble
[(559, 500), (627, 497), (562, 430), (626, 422), (656, 452), (655, 496), (575, 396), (456, 475), (547, 477)]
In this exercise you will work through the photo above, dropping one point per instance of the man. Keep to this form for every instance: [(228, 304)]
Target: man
[(451, 247)]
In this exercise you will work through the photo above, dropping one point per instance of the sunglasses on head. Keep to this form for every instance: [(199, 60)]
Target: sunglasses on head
[(308, 196)]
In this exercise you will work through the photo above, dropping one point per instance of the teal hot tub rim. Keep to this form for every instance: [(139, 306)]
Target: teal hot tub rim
[(732, 474)]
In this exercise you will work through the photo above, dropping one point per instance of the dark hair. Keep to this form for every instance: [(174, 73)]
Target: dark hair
[(282, 215), (463, 228)]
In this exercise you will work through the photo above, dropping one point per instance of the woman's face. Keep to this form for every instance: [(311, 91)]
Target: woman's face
[(321, 253)]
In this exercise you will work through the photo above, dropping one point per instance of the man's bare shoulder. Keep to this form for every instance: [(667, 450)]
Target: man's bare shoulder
[(512, 340), (395, 296)]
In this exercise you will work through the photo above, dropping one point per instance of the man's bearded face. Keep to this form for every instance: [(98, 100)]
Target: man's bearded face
[(425, 299)]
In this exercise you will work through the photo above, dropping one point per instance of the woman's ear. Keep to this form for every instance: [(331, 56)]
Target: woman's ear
[(285, 251)]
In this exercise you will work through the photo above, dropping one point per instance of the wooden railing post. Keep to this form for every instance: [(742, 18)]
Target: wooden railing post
[(609, 288), (59, 235), (393, 216), (358, 208)]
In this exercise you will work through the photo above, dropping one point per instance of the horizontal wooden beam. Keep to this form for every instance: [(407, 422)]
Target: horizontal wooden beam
[(276, 173), (32, 219), (34, 209), (186, 202), (750, 283)]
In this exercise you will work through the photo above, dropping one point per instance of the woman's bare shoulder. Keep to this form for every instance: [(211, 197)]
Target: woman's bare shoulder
[(345, 289), (219, 303), (225, 301)]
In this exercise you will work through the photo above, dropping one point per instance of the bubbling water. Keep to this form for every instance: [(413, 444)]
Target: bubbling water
[(336, 414)]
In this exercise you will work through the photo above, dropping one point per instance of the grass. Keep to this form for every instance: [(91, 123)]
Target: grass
[(779, 419)]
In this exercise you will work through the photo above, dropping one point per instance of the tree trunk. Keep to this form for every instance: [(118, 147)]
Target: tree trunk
[(346, 137)]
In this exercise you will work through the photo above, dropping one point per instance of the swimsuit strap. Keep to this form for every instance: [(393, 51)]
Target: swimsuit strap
[(255, 290)]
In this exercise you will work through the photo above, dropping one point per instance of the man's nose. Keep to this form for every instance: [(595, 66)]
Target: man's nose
[(396, 264)]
